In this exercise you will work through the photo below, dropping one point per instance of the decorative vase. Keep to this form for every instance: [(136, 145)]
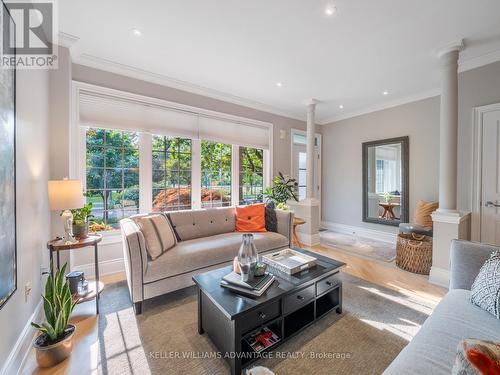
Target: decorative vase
[(247, 258), (81, 230), (51, 355)]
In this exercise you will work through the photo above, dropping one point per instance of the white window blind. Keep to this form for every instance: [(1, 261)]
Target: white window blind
[(231, 132), (110, 112), (127, 114)]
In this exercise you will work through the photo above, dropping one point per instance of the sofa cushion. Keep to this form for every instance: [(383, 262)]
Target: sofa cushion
[(251, 218), (199, 253), (476, 357), (485, 291), (423, 211), (433, 349), (157, 232), (271, 218), (192, 224)]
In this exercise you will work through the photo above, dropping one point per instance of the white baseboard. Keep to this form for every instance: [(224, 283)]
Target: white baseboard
[(19, 353), (309, 240), (439, 276), (360, 231), (106, 267)]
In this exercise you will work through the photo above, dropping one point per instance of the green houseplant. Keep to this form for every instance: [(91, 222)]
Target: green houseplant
[(387, 197), (55, 341), (283, 189), (81, 218)]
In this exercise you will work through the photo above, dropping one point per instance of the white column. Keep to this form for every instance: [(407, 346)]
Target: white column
[(311, 130), (448, 130), (448, 223)]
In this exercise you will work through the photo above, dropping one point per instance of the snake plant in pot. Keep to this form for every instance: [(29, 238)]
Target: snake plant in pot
[(55, 341)]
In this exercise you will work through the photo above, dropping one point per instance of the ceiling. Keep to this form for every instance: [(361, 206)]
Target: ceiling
[(239, 50)]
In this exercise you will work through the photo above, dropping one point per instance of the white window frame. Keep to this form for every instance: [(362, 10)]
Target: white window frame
[(77, 147)]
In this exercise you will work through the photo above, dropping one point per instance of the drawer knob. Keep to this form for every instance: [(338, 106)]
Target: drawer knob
[(262, 315), (300, 298), (329, 283)]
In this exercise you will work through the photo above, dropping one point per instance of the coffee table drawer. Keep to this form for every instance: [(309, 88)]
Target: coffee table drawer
[(255, 318), (298, 299), (327, 283)]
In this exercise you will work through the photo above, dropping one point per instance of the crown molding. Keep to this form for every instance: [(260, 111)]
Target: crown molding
[(478, 61), (455, 46), (380, 107), (137, 73), (72, 43), (311, 101), (67, 40)]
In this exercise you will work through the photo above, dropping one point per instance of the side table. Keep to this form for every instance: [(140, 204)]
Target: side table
[(95, 287), (296, 222)]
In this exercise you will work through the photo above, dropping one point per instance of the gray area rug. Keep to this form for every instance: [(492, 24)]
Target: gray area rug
[(368, 247), (374, 327)]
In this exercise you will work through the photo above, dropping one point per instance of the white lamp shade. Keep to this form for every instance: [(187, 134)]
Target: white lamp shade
[(65, 194)]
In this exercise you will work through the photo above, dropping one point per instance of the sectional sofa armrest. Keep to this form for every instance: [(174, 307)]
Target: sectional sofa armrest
[(135, 258), (285, 221), (466, 259)]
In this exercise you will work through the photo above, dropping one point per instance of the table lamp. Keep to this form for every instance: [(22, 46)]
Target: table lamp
[(65, 195)]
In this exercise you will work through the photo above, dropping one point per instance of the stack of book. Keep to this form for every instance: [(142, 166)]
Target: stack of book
[(262, 339), (254, 288)]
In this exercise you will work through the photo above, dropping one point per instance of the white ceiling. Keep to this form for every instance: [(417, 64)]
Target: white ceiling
[(238, 50)]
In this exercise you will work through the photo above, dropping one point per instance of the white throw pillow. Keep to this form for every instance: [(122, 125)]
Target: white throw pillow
[(158, 234), (485, 291)]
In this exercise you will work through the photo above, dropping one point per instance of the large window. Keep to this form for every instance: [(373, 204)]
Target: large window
[(215, 174), (156, 155), (171, 160), (251, 162), (112, 174), (112, 168)]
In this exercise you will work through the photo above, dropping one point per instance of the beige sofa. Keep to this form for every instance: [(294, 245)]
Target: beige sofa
[(206, 240)]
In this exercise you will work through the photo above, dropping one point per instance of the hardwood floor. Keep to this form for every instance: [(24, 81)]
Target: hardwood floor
[(85, 356), (385, 274)]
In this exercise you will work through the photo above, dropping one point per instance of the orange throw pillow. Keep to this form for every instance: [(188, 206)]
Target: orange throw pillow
[(423, 213), (251, 218)]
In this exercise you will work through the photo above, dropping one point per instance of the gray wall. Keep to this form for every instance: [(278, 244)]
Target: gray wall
[(282, 151), (342, 162), (476, 88), (32, 207), (60, 117)]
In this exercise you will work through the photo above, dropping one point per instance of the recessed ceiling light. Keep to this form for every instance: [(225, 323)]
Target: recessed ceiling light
[(330, 10), (385, 93), (136, 32), (341, 106), (279, 84)]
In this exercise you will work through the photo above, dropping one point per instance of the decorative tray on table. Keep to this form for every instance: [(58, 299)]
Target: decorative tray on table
[(289, 261)]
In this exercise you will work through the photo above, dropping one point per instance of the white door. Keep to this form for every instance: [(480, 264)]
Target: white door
[(490, 201)]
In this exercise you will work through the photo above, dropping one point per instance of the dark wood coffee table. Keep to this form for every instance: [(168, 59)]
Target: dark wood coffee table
[(291, 304)]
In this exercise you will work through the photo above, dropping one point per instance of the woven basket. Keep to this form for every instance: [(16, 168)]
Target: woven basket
[(414, 253)]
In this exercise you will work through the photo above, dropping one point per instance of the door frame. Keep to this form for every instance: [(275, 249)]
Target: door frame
[(477, 172), (320, 166)]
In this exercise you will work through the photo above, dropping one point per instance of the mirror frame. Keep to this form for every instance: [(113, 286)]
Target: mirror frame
[(405, 183)]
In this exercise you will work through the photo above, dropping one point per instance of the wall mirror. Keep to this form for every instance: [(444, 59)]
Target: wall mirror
[(385, 181)]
